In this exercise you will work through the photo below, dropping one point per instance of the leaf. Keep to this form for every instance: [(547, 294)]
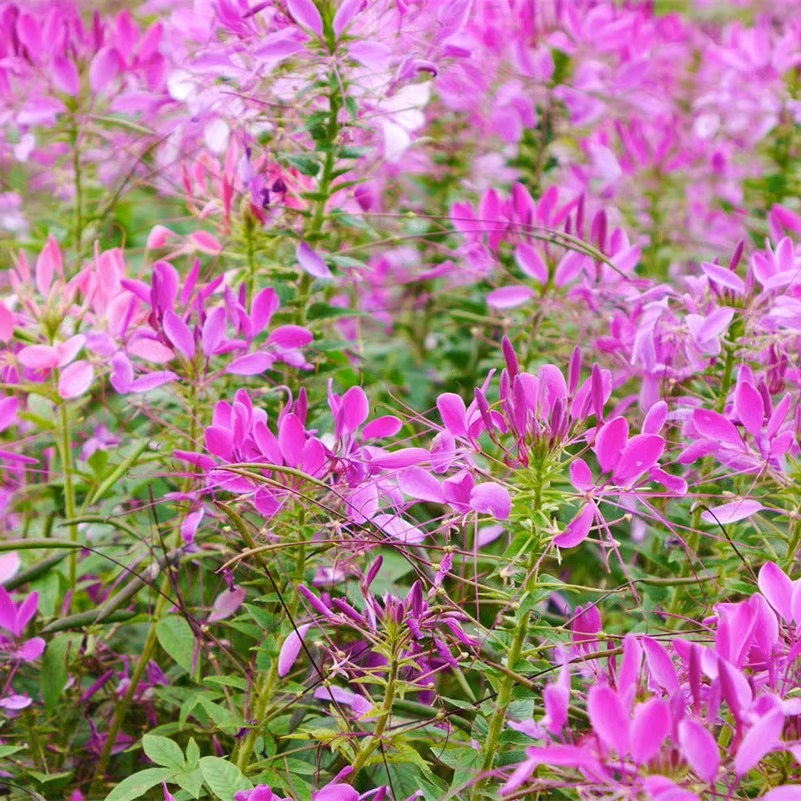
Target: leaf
[(192, 754), (137, 785), (163, 751), (54, 670), (176, 638), (305, 165), (223, 778)]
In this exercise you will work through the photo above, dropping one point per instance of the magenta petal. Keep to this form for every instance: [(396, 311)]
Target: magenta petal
[(312, 262), (610, 441), (292, 438), (655, 418), (578, 528), (291, 336), (382, 427), (715, 426), (761, 738), (403, 457), (219, 442), (649, 728), (531, 263), (638, 457), (264, 306), (581, 475), (453, 412), (353, 411), (214, 330), (777, 589), (75, 379), (421, 485), (291, 648), (31, 649), (251, 364), (699, 749), (609, 718), (731, 512), (748, 407), (509, 297), (178, 333), (660, 664), (152, 381), (492, 499)]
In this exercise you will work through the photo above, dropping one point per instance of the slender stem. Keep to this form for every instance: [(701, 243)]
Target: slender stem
[(76, 166), (65, 448), (383, 717)]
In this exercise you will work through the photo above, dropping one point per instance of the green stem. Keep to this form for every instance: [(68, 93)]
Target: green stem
[(65, 448), (76, 166), (383, 718)]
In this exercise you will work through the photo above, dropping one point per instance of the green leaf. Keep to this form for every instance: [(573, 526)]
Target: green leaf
[(192, 754), (176, 638), (163, 751), (223, 778), (306, 165), (8, 750), (54, 670), (191, 782), (137, 785)]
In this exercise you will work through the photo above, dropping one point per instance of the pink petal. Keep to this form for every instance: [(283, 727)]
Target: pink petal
[(777, 589), (660, 664), (358, 703), (492, 499), (581, 475), (715, 426), (699, 749), (420, 485), (219, 442), (38, 357), (453, 413), (784, 792), (226, 604), (655, 418), (47, 264), (638, 457), (31, 649), (252, 364), (292, 438), (205, 242), (264, 306), (291, 648), (311, 261), (748, 407), (403, 457), (398, 529), (761, 738), (75, 379), (15, 702), (179, 333), (347, 10), (353, 411), (610, 441), (649, 728), (531, 263), (305, 13), (609, 718), (382, 427), (9, 565), (509, 297), (291, 336), (731, 512), (725, 277), (578, 528), (214, 330)]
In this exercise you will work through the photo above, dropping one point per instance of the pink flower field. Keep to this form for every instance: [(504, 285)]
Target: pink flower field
[(400, 399)]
